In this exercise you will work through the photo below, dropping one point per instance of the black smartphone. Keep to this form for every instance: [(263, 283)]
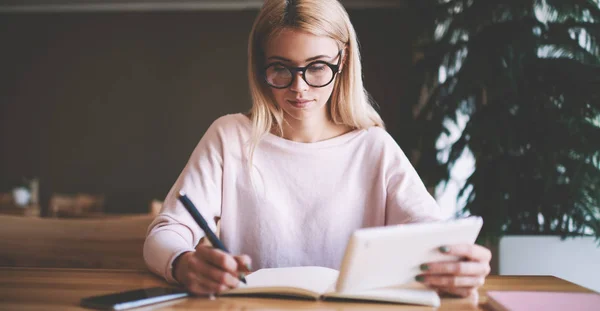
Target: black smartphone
[(133, 298)]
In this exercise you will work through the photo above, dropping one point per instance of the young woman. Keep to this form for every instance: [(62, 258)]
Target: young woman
[(309, 164)]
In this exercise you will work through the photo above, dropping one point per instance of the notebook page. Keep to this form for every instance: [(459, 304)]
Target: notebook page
[(314, 279), (412, 293)]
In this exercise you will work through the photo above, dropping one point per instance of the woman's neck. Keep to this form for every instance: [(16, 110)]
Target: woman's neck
[(311, 130)]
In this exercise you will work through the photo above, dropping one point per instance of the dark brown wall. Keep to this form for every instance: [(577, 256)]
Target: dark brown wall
[(114, 103)]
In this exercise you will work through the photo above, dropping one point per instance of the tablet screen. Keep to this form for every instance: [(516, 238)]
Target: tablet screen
[(389, 256)]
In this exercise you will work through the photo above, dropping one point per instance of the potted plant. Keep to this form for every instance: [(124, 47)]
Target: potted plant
[(515, 86)]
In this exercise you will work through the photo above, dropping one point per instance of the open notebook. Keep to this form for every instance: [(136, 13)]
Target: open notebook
[(379, 264)]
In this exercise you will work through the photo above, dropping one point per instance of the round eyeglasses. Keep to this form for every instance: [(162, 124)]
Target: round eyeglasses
[(315, 74)]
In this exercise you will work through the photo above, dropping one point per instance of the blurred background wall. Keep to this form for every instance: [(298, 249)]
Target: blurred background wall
[(113, 103)]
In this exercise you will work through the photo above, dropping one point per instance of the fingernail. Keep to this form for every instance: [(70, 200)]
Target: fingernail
[(249, 267), (420, 278), (424, 267), (444, 249)]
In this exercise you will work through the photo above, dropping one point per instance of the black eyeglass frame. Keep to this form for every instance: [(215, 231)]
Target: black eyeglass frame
[(294, 70)]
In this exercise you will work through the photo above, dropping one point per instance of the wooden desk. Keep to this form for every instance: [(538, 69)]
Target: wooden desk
[(61, 289)]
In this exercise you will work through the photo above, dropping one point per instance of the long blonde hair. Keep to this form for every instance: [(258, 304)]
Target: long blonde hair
[(349, 105)]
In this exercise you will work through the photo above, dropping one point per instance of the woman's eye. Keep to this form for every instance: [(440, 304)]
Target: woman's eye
[(279, 69), (316, 68)]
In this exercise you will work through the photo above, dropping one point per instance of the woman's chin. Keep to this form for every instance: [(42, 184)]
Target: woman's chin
[(308, 112)]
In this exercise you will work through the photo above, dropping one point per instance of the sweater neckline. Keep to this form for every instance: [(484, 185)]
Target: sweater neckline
[(277, 140)]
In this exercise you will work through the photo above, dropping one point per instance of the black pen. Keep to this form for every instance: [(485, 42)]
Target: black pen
[(212, 237)]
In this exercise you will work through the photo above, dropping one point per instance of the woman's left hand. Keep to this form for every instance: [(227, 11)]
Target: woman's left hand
[(462, 277)]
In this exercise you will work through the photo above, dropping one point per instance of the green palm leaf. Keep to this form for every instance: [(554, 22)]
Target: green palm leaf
[(527, 75)]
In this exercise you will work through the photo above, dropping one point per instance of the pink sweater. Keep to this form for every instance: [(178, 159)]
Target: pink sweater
[(301, 204)]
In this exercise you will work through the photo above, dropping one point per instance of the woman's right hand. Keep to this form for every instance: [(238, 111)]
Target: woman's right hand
[(209, 270)]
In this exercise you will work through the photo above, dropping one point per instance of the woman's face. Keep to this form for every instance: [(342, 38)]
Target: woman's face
[(292, 48)]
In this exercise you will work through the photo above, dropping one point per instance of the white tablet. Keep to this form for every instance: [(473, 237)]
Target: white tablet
[(388, 256)]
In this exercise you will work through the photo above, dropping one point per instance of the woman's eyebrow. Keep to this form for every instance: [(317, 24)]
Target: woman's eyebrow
[(307, 60)]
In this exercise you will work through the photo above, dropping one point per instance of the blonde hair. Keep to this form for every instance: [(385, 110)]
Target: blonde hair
[(349, 105)]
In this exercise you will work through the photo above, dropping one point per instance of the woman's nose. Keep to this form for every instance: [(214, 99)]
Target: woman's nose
[(298, 84)]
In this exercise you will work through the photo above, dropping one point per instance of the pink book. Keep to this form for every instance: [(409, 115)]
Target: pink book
[(548, 301)]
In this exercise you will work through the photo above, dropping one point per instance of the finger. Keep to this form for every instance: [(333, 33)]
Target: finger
[(451, 281), (462, 292), (200, 289), (215, 274), (203, 243), (200, 284), (470, 251), (244, 262), (473, 268), (218, 259)]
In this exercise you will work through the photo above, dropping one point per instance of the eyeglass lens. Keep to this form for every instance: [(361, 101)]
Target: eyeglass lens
[(316, 74)]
